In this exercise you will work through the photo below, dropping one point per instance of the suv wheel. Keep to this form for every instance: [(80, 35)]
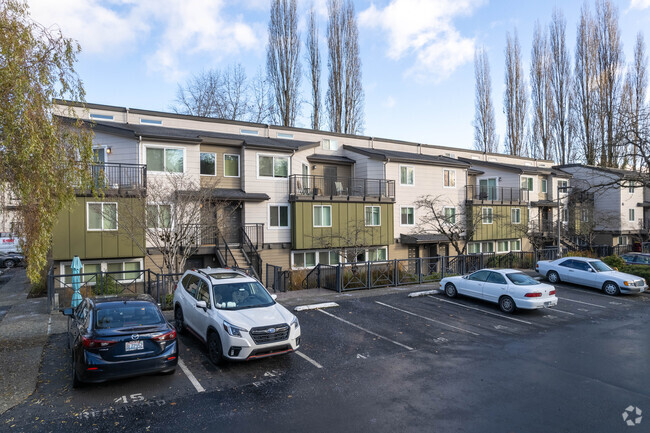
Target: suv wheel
[(215, 351), (180, 322)]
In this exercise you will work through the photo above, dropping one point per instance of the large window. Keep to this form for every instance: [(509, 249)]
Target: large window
[(330, 144), (208, 164), (373, 215), (502, 246), (630, 215), (165, 159), (527, 183), (101, 216), (449, 178), (515, 215), (323, 216), (159, 216), (273, 166), (308, 259), (487, 215), (231, 165), (407, 216), (544, 186), (375, 254), (406, 175), (279, 216), (450, 215), (121, 270)]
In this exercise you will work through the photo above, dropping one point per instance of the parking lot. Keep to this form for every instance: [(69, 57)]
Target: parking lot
[(361, 333)]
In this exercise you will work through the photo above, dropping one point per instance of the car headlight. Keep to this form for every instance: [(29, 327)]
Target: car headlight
[(233, 330), (295, 322)]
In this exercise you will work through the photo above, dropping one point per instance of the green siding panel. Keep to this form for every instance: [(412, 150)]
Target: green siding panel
[(501, 227)]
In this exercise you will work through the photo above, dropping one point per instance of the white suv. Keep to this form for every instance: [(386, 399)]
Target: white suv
[(234, 315)]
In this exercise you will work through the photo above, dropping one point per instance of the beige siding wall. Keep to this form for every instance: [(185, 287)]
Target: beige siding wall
[(220, 180)]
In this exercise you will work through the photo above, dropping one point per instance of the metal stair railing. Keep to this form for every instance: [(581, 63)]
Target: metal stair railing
[(226, 256), (250, 253)]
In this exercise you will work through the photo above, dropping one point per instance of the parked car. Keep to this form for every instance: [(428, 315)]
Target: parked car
[(636, 258), (234, 315), (114, 337), (10, 260), (591, 273), (510, 288)]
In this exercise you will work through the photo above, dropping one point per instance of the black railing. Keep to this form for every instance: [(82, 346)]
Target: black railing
[(250, 253), (330, 186), (118, 176), (544, 227), (255, 233), (203, 235), (495, 194), (276, 279), (224, 252)]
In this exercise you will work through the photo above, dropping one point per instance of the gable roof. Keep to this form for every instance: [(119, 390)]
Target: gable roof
[(621, 173), (412, 158), (521, 169)]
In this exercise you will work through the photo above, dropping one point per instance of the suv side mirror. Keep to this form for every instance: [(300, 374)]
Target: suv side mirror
[(68, 312), (201, 304)]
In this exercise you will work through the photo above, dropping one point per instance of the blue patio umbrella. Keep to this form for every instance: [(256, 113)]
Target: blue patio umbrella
[(76, 281)]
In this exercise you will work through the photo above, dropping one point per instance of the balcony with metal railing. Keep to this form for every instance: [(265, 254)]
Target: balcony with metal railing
[(119, 177), (311, 187), (496, 195)]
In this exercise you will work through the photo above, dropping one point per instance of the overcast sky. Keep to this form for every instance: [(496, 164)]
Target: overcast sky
[(417, 55)]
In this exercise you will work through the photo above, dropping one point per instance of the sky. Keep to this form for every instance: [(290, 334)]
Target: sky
[(417, 55)]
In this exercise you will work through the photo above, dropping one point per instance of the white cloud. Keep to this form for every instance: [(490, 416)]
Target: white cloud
[(424, 28), (164, 32), (639, 4)]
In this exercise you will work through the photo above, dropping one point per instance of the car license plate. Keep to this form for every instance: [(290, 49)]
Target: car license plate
[(134, 345)]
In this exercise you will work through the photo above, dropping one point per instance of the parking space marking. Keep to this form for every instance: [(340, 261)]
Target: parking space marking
[(308, 359), (561, 311), (49, 325), (190, 376), (582, 302), (366, 330), (428, 318), (482, 311)]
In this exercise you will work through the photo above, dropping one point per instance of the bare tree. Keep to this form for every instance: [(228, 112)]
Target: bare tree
[(515, 99), (201, 95), (313, 60), (541, 96), (283, 59), (485, 137), (560, 81), (262, 108), (634, 102), (235, 94), (345, 95)]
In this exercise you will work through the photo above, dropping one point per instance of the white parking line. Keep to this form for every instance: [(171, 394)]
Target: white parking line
[(307, 358), (581, 302), (190, 376), (560, 311), (49, 326), (366, 330), (428, 318), (481, 310)]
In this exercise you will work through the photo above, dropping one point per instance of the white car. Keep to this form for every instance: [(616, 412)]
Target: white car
[(234, 315), (509, 288), (592, 273)]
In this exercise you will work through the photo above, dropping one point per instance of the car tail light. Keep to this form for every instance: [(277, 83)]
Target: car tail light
[(552, 292), (533, 295), (171, 358), (92, 368), (171, 335), (92, 343), (537, 266)]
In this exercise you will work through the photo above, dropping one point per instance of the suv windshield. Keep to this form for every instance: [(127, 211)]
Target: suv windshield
[(521, 279), (600, 266), (236, 296)]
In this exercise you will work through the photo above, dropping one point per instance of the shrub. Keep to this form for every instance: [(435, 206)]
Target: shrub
[(614, 261), (585, 253), (642, 271)]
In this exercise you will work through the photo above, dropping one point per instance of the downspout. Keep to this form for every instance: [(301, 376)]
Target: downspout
[(139, 147), (127, 115)]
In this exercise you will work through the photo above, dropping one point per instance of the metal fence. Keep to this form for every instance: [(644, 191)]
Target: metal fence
[(276, 279)]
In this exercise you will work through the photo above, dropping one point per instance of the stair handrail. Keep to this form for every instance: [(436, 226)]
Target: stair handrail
[(251, 253), (305, 281), (227, 254)]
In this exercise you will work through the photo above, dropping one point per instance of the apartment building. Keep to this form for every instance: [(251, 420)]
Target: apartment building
[(304, 197)]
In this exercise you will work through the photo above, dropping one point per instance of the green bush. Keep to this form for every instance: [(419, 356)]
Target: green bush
[(614, 261), (642, 271)]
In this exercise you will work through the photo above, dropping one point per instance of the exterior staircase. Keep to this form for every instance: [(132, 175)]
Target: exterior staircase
[(238, 255)]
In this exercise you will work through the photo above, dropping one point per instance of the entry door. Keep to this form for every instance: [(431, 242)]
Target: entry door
[(230, 221), (545, 219), (329, 173)]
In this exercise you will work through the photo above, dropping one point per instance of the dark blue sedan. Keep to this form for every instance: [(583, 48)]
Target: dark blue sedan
[(113, 337)]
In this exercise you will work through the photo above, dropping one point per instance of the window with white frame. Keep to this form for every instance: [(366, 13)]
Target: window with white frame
[(565, 214), (272, 166), (308, 259), (159, 216), (474, 248), (279, 216), (406, 175), (151, 121), (376, 254), (623, 240), (248, 132), (230, 165), (407, 216), (101, 216), (449, 178), (486, 213), (330, 144), (304, 259), (630, 188), (208, 164), (630, 215), (285, 135), (585, 215), (544, 186), (487, 247), (503, 246), (373, 215), (165, 159), (527, 183), (323, 216), (515, 215), (98, 116), (562, 184), (515, 245), (450, 215), (129, 270)]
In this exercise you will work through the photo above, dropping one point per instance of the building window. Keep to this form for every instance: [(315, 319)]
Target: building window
[(623, 240), (304, 259), (474, 248), (488, 189), (562, 184), (487, 215), (248, 132), (159, 216), (373, 216), (150, 121), (279, 216), (330, 144), (101, 116), (527, 183), (231, 165), (165, 159), (544, 186), (503, 246), (375, 254), (406, 175), (450, 215), (515, 215), (129, 270), (630, 215), (630, 189), (285, 135), (487, 247), (515, 245), (273, 166), (407, 217), (323, 216), (208, 164), (585, 215), (565, 215), (101, 216), (449, 178)]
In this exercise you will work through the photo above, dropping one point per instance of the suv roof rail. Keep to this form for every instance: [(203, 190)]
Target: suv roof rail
[(201, 271)]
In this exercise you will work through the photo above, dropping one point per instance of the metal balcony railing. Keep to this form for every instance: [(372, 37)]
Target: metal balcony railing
[(326, 186), (119, 176), (493, 194)]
